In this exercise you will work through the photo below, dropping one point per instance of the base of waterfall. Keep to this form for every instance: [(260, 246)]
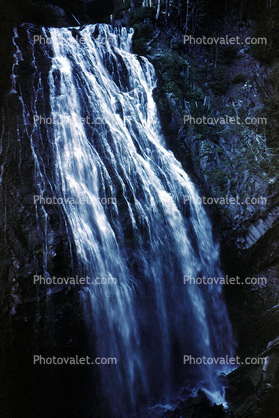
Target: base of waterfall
[(196, 406), (192, 401)]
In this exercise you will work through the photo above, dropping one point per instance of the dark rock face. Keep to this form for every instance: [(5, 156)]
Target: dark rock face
[(230, 161), (34, 240), (253, 390), (227, 161)]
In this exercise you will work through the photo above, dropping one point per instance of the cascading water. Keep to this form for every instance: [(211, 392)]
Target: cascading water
[(131, 223)]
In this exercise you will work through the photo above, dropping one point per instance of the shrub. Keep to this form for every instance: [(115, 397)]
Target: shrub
[(170, 68), (142, 34), (220, 179)]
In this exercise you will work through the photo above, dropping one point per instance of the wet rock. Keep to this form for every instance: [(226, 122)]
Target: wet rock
[(253, 389)]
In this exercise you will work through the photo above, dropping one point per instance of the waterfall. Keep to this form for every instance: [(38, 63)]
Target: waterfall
[(131, 225)]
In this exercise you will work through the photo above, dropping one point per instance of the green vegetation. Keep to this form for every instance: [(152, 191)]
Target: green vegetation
[(142, 35), (179, 77), (220, 179), (140, 20), (171, 68)]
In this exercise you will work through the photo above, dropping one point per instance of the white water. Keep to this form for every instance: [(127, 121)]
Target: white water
[(149, 319)]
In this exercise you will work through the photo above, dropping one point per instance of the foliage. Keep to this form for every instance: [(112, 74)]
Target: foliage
[(143, 33), (179, 77), (220, 179), (143, 28), (171, 67)]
